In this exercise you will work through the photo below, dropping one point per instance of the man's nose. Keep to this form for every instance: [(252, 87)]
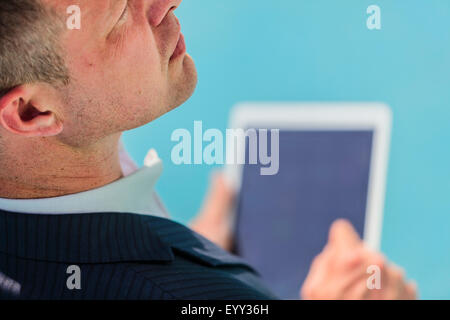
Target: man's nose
[(177, 3), (158, 9)]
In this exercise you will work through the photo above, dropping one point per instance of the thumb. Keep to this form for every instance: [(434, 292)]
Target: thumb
[(342, 234), (214, 220), (219, 200)]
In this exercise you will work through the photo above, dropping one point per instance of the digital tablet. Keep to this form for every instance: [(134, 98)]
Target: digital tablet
[(332, 162)]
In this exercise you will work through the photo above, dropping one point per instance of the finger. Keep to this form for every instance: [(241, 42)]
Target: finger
[(358, 287), (354, 269), (316, 274), (219, 201), (214, 219), (358, 291), (331, 274), (352, 273), (406, 291), (343, 235), (335, 285), (411, 291), (394, 287)]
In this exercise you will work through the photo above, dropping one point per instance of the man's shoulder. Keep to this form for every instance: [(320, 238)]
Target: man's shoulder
[(199, 269), (120, 256), (182, 278)]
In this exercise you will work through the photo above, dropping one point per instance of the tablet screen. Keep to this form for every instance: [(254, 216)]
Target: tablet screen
[(283, 220)]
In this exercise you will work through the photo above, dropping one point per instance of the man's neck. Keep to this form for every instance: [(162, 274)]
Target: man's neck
[(45, 169)]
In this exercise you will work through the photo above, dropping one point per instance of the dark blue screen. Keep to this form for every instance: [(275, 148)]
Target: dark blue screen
[(283, 220)]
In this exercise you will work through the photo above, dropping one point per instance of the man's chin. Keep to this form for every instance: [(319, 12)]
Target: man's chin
[(186, 84), (179, 92)]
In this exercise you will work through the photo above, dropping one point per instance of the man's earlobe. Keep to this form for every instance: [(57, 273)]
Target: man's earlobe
[(24, 115)]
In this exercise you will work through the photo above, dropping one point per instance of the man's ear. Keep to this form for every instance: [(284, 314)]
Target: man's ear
[(23, 112)]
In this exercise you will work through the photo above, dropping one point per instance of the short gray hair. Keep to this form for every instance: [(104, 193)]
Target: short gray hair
[(29, 50)]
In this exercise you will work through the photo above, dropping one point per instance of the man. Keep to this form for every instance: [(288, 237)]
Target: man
[(71, 225)]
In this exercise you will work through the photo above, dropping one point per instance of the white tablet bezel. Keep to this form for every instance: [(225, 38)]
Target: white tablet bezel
[(327, 116)]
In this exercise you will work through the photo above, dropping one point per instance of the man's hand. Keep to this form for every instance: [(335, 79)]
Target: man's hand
[(340, 271), (214, 221)]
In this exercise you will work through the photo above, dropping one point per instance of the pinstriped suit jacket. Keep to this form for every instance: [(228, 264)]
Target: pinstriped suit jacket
[(120, 256)]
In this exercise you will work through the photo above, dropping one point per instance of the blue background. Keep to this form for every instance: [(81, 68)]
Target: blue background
[(321, 50)]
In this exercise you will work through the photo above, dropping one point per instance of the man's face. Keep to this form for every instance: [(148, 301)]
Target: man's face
[(127, 65)]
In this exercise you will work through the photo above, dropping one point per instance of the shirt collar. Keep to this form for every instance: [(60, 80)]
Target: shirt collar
[(134, 194)]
